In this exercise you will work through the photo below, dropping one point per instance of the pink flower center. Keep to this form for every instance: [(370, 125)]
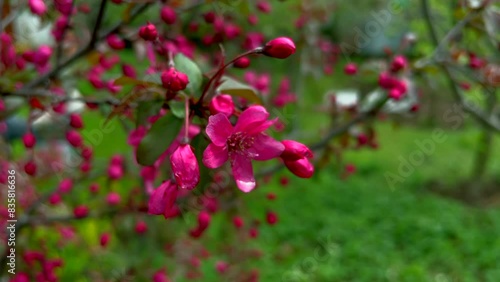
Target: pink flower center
[(239, 143)]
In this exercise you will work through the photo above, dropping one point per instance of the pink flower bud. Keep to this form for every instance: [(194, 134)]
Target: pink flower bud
[(129, 71), (203, 223), (350, 168), (87, 153), (395, 94), (350, 69), (141, 227), (113, 198), (295, 150), (94, 188), (398, 63), (222, 104), (174, 80), (81, 211), (85, 167), (55, 199), (238, 222), (253, 232), (64, 6), (148, 32), (163, 199), (75, 121), (264, 6), (185, 167), (242, 63), (301, 167), (221, 266), (29, 140), (281, 48), (168, 15), (42, 55), (37, 7), (74, 138), (66, 185), (386, 81), (253, 19), (104, 240), (271, 218), (209, 17), (362, 139), (115, 42), (30, 168), (115, 172)]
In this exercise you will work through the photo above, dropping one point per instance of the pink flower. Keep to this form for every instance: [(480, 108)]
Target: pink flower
[(141, 227), (104, 240), (301, 167), (75, 121), (221, 266), (163, 199), (81, 211), (30, 168), (242, 63), (271, 218), (398, 63), (241, 144), (115, 42), (66, 185), (222, 104), (74, 138), (185, 167), (203, 223)]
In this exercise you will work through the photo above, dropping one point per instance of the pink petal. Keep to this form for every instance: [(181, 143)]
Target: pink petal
[(215, 156), (163, 198), (219, 129), (266, 148), (260, 127), (250, 118), (243, 172), (185, 167)]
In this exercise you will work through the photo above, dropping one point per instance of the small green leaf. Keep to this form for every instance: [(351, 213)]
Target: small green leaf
[(191, 69), (236, 88), (177, 108), (158, 138), (145, 109)]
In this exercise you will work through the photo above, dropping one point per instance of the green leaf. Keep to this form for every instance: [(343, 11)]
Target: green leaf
[(177, 108), (236, 88), (158, 138), (191, 69), (145, 109)]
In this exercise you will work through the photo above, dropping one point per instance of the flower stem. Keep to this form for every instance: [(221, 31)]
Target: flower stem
[(221, 70)]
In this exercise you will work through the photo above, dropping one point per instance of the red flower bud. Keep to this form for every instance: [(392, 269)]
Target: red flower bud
[(238, 222), (37, 7), (168, 15), (209, 17), (55, 199), (295, 150), (29, 140), (264, 6), (350, 69), (174, 80), (104, 240), (398, 63), (222, 104), (75, 121), (253, 232), (113, 198), (271, 218), (74, 138), (242, 63), (129, 71), (81, 211), (94, 188), (301, 167), (66, 185), (221, 266), (148, 32), (30, 168), (115, 42), (141, 227), (281, 48), (185, 167)]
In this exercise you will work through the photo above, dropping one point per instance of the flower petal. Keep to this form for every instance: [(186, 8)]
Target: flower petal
[(163, 198), (219, 129), (185, 167), (243, 172), (265, 148), (250, 118), (215, 156)]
